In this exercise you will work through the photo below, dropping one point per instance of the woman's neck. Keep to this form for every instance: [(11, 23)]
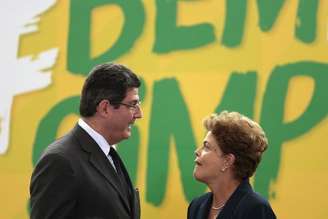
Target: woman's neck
[(223, 190)]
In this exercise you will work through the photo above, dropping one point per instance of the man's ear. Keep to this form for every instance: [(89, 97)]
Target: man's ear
[(103, 108)]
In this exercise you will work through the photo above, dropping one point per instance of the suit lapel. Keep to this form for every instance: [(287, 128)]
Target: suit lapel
[(100, 162)]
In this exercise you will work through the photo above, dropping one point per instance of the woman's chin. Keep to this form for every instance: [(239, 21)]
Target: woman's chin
[(197, 176)]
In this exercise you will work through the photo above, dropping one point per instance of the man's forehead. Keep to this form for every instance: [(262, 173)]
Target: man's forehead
[(132, 91), (132, 94)]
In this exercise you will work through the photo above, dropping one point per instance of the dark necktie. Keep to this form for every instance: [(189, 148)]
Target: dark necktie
[(119, 171)]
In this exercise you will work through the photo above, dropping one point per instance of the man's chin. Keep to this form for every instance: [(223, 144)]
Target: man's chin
[(127, 134)]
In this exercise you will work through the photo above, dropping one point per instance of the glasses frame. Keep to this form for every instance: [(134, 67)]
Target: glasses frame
[(133, 107)]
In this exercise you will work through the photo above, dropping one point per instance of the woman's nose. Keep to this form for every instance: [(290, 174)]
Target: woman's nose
[(197, 152)]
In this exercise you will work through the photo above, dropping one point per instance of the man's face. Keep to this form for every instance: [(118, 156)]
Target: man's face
[(121, 119)]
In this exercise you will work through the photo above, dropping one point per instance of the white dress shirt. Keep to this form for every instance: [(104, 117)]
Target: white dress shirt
[(99, 139)]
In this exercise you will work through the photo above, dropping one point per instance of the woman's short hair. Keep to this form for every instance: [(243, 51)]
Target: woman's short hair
[(238, 135)]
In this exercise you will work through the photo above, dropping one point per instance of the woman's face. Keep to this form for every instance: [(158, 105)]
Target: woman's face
[(209, 161)]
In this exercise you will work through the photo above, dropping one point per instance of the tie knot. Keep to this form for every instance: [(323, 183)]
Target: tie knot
[(115, 157), (112, 153)]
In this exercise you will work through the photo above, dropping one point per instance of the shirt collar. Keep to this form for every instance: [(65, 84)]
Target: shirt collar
[(98, 138)]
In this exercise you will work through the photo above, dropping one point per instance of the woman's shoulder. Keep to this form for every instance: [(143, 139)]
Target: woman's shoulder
[(254, 198), (256, 206), (245, 195)]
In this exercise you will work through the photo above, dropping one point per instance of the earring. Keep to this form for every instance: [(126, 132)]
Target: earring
[(223, 169)]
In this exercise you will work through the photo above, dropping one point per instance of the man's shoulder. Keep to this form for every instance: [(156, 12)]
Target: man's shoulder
[(64, 145)]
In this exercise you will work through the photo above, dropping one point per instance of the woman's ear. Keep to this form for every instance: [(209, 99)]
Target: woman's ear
[(229, 160)]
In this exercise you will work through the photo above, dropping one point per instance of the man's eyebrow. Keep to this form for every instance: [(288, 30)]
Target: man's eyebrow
[(134, 101)]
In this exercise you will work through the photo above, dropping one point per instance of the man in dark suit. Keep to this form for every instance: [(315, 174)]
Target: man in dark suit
[(80, 175)]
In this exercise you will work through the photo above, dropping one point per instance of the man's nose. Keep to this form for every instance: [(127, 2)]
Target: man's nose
[(138, 113)]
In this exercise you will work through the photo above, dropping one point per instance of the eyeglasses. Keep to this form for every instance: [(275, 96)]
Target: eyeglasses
[(132, 106)]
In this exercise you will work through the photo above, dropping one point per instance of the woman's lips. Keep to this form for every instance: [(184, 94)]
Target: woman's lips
[(197, 162)]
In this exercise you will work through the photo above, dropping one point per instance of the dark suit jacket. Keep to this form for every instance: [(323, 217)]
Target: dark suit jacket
[(244, 203), (74, 179)]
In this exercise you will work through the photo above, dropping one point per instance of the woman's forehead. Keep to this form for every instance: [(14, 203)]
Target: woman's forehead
[(209, 138)]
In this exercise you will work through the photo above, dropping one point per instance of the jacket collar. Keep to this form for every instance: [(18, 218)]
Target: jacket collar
[(232, 203), (229, 208)]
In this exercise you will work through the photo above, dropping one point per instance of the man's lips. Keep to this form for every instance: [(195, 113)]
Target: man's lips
[(197, 162), (130, 125)]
